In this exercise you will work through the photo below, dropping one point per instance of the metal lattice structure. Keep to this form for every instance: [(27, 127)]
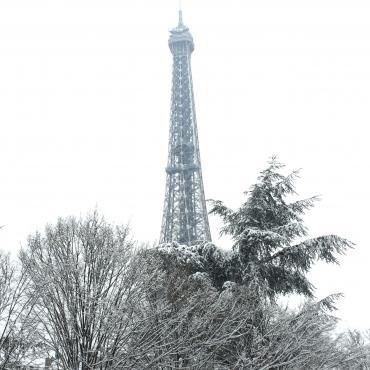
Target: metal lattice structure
[(185, 218)]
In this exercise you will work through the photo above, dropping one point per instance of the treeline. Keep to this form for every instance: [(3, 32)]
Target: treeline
[(87, 296)]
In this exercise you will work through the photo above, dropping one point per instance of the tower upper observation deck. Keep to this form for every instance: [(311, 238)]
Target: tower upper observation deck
[(181, 40)]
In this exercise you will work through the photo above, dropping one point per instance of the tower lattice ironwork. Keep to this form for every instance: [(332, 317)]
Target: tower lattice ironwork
[(185, 218)]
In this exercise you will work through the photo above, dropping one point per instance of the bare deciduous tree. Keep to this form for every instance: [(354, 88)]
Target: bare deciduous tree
[(87, 291), (16, 327), (185, 320)]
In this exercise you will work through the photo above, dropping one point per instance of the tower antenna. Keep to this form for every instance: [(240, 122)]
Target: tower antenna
[(180, 13)]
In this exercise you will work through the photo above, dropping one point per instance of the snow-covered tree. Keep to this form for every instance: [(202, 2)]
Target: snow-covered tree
[(202, 257), (304, 339), (87, 289), (268, 231), (17, 342), (186, 322)]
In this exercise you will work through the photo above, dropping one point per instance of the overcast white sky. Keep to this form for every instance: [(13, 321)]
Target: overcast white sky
[(84, 114)]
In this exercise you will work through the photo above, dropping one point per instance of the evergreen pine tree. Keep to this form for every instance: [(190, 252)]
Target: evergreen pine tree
[(267, 232)]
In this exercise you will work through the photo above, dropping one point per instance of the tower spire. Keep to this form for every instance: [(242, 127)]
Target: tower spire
[(180, 15), (180, 18)]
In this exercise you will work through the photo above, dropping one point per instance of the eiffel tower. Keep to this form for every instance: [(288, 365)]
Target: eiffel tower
[(185, 218)]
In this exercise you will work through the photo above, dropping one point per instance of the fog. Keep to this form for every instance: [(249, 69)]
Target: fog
[(84, 112)]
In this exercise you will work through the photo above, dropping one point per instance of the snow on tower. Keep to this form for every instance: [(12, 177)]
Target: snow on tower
[(185, 218)]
